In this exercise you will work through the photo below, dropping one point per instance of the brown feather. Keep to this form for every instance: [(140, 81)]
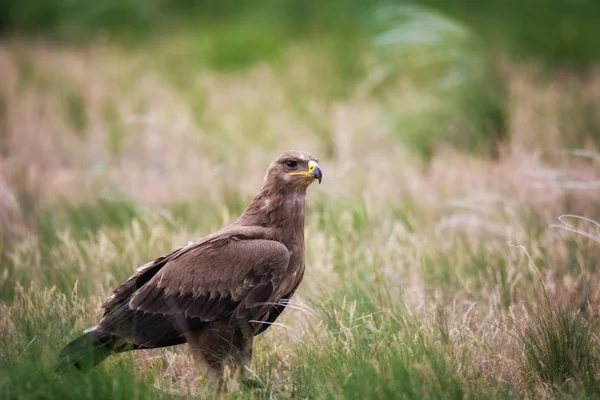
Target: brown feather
[(206, 270), (209, 290)]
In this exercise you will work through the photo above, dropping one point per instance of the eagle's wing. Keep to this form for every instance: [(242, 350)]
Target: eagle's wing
[(224, 278), (276, 310)]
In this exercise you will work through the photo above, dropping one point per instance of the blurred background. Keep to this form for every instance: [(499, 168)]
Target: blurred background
[(121, 96), (445, 129)]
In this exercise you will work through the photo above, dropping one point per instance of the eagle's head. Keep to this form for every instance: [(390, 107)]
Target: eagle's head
[(294, 169)]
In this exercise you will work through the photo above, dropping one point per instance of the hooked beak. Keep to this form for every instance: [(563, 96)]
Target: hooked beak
[(315, 171)]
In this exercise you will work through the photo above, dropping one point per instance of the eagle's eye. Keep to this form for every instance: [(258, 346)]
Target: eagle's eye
[(291, 163)]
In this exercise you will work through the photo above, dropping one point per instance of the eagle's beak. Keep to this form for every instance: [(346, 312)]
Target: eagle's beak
[(315, 171)]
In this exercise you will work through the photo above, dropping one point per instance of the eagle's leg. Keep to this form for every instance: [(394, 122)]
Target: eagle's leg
[(223, 356), (208, 363), (245, 356), (247, 377), (211, 370), (236, 359)]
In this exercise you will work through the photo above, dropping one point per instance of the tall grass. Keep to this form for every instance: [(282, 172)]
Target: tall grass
[(34, 327), (559, 347), (111, 158)]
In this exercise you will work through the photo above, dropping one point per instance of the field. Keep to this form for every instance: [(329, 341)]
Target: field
[(451, 248)]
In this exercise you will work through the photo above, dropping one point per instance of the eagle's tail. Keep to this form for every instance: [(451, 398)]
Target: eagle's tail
[(89, 350)]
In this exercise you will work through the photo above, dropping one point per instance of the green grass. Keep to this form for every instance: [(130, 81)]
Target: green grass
[(383, 354), (411, 288), (445, 68), (561, 33), (362, 338), (62, 236), (44, 321), (560, 347)]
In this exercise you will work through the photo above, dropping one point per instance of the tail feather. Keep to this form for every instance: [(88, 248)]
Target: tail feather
[(89, 350)]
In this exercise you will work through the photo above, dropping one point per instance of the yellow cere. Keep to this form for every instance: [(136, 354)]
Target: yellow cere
[(311, 167)]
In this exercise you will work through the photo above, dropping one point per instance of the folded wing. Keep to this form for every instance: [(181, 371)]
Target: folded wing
[(224, 278)]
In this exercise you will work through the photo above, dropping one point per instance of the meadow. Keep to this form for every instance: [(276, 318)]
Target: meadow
[(452, 249)]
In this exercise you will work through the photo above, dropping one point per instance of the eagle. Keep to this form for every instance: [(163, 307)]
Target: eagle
[(218, 292)]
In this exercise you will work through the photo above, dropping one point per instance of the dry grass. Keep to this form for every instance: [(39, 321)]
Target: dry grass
[(414, 272)]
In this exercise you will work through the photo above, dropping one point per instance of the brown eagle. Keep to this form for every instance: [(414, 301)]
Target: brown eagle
[(218, 292)]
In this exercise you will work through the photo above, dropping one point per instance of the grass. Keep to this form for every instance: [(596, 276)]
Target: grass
[(27, 356), (559, 35), (441, 65), (563, 33), (414, 287), (379, 355), (559, 347)]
